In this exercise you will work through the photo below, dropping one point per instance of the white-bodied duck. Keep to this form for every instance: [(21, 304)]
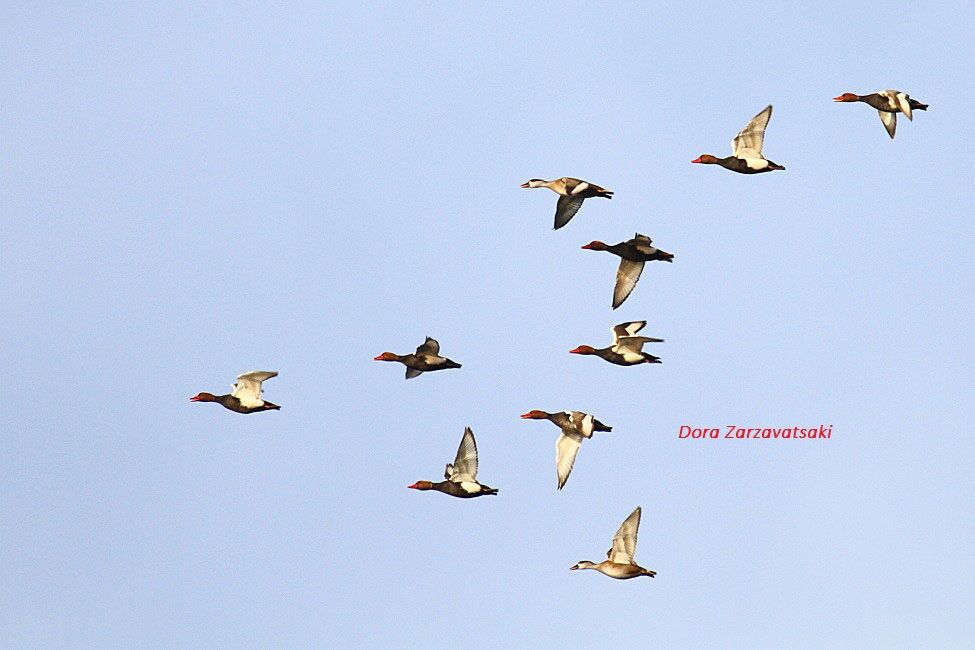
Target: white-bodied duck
[(619, 563), (572, 192)]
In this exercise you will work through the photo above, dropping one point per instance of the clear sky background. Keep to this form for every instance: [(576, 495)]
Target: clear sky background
[(188, 193)]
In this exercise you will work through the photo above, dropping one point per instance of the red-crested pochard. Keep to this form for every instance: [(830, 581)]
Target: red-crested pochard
[(572, 192), (246, 397), (627, 347), (575, 426), (746, 149), (633, 253), (426, 359), (888, 104), (461, 475), (619, 563)]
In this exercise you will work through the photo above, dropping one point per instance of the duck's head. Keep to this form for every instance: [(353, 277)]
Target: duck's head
[(583, 349), (421, 485), (595, 246), (584, 564), (535, 182), (386, 356), (534, 415), (204, 397), (706, 159), (847, 97)]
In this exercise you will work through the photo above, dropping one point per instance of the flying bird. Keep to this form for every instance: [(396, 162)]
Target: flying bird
[(572, 192), (888, 104), (575, 426), (746, 149), (246, 395), (426, 359), (633, 253), (619, 563), (627, 347), (461, 475)]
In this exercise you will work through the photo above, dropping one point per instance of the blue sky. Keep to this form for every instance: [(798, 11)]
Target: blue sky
[(189, 193)]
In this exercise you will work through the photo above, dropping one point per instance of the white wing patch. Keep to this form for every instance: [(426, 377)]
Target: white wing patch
[(890, 122), (248, 387), (581, 187)]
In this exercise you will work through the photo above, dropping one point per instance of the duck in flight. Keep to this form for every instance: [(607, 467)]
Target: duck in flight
[(426, 359), (461, 475), (627, 347), (633, 253), (746, 149), (246, 395), (572, 192), (575, 426), (619, 563), (888, 104)]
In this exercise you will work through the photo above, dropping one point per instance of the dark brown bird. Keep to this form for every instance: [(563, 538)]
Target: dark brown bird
[(633, 253), (461, 475), (246, 397), (627, 348), (888, 104), (746, 149), (575, 426), (426, 359)]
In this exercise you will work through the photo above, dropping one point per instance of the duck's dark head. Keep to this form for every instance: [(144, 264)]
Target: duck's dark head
[(847, 97), (534, 182), (583, 349), (421, 485), (534, 415), (706, 159), (595, 246), (583, 564), (387, 356), (204, 397)]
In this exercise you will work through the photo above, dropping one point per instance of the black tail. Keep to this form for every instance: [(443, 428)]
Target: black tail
[(451, 364), (605, 195), (918, 106), (599, 426), (649, 358)]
